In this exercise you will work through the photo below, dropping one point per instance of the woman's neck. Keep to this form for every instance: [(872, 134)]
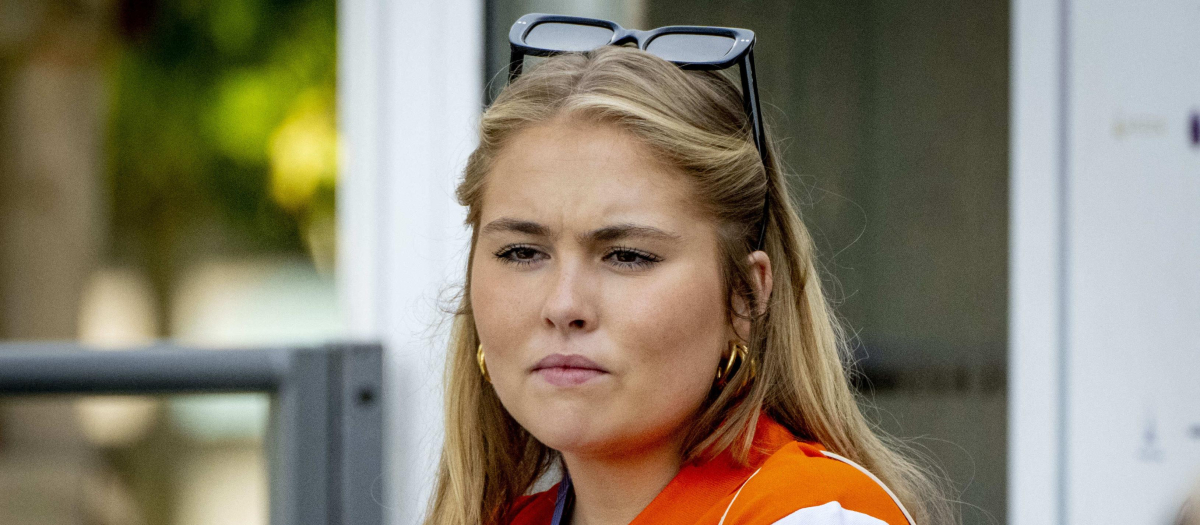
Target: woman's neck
[(613, 490)]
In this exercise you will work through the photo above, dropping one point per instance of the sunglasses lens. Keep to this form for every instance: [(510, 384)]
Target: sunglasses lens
[(684, 47), (558, 36)]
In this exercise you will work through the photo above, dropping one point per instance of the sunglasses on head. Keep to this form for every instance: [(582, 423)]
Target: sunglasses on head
[(689, 47)]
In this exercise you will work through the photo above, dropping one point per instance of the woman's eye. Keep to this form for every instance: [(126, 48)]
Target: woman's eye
[(519, 255), (631, 258), (628, 258)]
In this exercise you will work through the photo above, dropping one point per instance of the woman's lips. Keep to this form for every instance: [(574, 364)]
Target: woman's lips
[(567, 370)]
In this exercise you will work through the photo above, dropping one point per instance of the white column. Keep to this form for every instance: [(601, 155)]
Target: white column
[(1036, 222), (1104, 421), (410, 91), (1133, 250)]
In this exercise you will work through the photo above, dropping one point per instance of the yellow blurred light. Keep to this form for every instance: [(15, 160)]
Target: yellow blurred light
[(303, 154)]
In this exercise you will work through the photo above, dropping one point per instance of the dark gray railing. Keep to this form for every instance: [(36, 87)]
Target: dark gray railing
[(325, 437)]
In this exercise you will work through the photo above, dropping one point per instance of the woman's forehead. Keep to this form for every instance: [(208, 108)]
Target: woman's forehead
[(578, 174)]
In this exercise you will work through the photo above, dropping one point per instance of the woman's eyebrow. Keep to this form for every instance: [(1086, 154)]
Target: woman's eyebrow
[(508, 224), (605, 234), (625, 230)]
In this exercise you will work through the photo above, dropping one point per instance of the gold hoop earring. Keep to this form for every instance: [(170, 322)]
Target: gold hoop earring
[(482, 364), (733, 363)]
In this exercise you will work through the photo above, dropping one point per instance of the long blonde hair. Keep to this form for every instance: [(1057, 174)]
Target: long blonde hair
[(694, 121)]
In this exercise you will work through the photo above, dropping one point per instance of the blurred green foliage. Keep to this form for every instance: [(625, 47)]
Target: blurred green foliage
[(222, 129)]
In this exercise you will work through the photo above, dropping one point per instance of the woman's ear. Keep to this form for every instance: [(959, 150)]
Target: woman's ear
[(759, 265), (761, 279)]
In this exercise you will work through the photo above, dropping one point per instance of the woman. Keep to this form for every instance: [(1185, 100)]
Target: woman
[(619, 334)]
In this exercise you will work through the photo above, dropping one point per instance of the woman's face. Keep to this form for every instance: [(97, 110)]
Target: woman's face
[(596, 290)]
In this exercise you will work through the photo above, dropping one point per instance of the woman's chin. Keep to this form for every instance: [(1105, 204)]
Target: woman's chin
[(570, 432)]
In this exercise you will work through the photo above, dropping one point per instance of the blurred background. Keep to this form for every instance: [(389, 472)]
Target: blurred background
[(169, 169)]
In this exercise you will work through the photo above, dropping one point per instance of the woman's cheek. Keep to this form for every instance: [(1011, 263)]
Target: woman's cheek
[(494, 321), (674, 348)]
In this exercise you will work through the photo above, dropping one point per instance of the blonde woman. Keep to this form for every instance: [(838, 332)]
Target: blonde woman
[(642, 320)]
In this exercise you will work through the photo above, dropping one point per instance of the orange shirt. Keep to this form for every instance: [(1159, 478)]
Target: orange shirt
[(790, 482)]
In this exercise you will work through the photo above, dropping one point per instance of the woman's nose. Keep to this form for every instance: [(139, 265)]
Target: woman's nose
[(569, 305)]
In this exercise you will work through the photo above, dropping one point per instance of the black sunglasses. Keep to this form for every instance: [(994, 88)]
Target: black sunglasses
[(689, 47)]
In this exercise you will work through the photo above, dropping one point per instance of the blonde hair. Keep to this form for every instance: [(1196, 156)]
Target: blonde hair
[(695, 122)]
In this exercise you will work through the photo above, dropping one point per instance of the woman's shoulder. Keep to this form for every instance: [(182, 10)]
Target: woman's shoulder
[(802, 484), (534, 508)]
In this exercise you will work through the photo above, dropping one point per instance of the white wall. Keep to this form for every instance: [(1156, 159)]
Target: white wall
[(1105, 413), (410, 91)]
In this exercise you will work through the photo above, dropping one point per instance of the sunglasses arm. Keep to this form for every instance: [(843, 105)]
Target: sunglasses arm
[(750, 100), (515, 63)]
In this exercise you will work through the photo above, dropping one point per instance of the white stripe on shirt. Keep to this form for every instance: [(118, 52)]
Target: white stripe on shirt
[(830, 513)]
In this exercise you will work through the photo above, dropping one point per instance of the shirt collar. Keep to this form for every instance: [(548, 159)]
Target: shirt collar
[(697, 486)]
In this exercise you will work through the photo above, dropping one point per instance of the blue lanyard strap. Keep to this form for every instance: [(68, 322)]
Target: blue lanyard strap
[(564, 502)]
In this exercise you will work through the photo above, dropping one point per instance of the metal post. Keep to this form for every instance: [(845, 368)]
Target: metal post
[(325, 446), (299, 430), (360, 418)]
